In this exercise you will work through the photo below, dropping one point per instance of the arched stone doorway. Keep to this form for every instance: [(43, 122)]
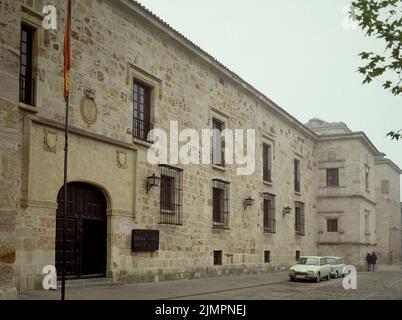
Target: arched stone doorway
[(86, 246)]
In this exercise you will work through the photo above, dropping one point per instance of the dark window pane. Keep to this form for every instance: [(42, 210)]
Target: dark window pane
[(332, 177), (267, 162), (142, 111), (217, 258), (171, 195), (27, 83), (332, 225)]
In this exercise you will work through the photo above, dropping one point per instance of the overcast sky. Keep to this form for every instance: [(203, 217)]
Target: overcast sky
[(298, 53)]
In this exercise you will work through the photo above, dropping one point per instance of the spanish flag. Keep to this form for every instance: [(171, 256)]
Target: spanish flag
[(67, 53)]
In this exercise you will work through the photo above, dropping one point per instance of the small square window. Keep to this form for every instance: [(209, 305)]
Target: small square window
[(267, 256), (217, 258), (333, 177), (332, 225)]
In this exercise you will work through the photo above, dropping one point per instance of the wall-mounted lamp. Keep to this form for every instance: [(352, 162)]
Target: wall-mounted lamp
[(249, 202), (287, 210), (153, 181)]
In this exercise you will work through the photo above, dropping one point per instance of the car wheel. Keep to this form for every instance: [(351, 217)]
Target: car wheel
[(318, 279), (337, 275), (292, 279), (328, 277)]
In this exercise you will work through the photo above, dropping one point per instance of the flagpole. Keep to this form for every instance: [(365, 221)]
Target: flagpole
[(66, 132)]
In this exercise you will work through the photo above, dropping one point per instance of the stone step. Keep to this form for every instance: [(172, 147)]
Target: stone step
[(90, 282)]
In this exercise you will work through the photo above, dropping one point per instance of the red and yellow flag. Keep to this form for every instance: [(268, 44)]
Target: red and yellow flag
[(67, 53)]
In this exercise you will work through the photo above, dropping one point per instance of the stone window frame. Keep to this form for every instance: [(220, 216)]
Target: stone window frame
[(331, 215), (367, 214), (385, 186), (134, 73), (328, 219), (297, 157), (333, 164), (33, 19), (225, 119), (271, 143)]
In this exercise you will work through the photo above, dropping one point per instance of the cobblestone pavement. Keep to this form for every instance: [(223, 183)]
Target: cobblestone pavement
[(386, 283)]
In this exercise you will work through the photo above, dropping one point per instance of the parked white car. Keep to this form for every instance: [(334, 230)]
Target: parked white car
[(310, 268), (338, 268)]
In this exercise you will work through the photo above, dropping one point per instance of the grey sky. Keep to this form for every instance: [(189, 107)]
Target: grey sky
[(296, 52)]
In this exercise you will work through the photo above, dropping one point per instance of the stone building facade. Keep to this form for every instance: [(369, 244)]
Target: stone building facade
[(118, 46)]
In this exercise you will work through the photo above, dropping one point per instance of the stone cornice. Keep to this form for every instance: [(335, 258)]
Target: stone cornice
[(350, 196), (350, 243), (182, 40), (390, 163), (360, 135), (81, 132)]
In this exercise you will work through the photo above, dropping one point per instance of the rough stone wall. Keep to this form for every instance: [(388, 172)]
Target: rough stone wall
[(9, 143), (350, 202), (111, 44), (106, 39), (388, 213)]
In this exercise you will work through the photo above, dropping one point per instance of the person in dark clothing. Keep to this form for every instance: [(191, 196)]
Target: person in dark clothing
[(368, 260), (373, 261)]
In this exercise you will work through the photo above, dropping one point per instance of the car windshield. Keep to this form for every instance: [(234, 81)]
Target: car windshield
[(332, 261), (309, 261)]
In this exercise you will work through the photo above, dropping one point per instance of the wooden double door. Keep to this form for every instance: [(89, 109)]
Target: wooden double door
[(86, 232)]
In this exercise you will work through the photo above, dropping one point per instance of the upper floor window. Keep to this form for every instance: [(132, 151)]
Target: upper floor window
[(367, 179), (269, 213), (171, 195), (218, 143), (266, 155), (332, 225), (142, 111), (220, 203), (27, 81), (333, 177), (297, 175), (299, 219)]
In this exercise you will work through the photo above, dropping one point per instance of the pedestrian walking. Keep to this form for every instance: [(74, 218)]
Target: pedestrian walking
[(373, 261), (368, 260)]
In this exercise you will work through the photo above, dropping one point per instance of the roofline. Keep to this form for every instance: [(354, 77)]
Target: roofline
[(181, 39), (352, 135), (392, 164)]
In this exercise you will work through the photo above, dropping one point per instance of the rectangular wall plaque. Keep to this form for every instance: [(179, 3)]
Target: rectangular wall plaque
[(145, 240)]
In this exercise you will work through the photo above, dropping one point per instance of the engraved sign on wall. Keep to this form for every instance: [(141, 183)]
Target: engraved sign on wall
[(145, 240)]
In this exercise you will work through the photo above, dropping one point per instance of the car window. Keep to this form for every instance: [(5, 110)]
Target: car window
[(309, 261), (323, 261), (332, 261)]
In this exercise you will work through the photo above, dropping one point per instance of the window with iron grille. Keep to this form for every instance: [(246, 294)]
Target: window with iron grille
[(299, 219), (269, 213), (27, 81), (217, 258), (220, 203), (142, 111), (332, 225), (171, 195), (218, 143), (298, 255), (333, 177), (266, 154), (267, 256), (297, 175)]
